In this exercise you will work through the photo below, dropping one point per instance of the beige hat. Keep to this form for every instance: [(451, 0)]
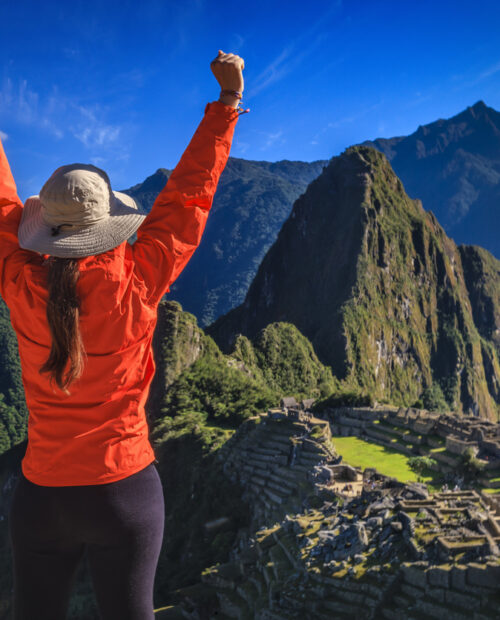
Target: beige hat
[(77, 214)]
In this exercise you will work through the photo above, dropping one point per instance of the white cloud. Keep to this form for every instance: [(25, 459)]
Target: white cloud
[(3, 136), (417, 100), (236, 42), (292, 55), (489, 71), (240, 147), (271, 138), (486, 73), (96, 133), (25, 106), (60, 115), (273, 72), (345, 120)]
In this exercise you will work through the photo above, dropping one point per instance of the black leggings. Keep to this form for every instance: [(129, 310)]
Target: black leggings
[(120, 525)]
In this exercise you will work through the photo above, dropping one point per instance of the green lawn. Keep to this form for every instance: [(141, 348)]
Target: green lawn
[(389, 462)]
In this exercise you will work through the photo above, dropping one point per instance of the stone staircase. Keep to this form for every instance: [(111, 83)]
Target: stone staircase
[(271, 460)]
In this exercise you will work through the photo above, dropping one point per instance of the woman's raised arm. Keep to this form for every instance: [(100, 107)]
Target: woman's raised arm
[(172, 231), (10, 212)]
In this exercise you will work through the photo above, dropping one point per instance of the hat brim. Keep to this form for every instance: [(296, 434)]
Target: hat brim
[(123, 221)]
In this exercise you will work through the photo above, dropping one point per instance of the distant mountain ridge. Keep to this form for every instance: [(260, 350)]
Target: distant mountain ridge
[(387, 300), (253, 200), (453, 166)]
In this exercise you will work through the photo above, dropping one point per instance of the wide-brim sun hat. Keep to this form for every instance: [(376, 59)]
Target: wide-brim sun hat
[(77, 214)]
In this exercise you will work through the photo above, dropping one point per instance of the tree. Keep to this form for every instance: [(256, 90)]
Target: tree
[(433, 398), (420, 463), (472, 467)]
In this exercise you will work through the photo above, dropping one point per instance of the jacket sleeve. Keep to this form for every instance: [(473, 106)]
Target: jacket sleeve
[(10, 215), (172, 231)]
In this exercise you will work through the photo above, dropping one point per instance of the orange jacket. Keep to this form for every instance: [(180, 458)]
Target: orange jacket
[(99, 432)]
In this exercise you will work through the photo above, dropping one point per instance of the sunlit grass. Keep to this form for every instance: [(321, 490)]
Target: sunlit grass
[(360, 453)]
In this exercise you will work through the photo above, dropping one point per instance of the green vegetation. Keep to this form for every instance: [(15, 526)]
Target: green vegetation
[(210, 436), (285, 360), (181, 341), (196, 493), (482, 275), (420, 464), (316, 432), (194, 375), (386, 461), (13, 411), (12, 426), (218, 390), (344, 396), (433, 399), (471, 466)]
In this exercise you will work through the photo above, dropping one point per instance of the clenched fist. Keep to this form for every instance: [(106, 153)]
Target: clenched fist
[(228, 71)]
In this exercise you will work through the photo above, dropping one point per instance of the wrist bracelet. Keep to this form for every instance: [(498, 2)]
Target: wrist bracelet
[(233, 93), (240, 110)]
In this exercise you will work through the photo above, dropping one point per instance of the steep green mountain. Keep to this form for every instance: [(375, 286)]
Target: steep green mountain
[(374, 283), (194, 375), (253, 200), (453, 166)]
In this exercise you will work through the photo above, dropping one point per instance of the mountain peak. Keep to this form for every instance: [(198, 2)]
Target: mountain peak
[(365, 153), (355, 160), (371, 279), (453, 166), (479, 111), (479, 105)]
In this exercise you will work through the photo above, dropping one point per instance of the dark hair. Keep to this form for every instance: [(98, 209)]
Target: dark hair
[(63, 314)]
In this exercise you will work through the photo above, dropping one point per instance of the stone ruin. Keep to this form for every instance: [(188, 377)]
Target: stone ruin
[(338, 477), (416, 432), (289, 402), (290, 408), (392, 551)]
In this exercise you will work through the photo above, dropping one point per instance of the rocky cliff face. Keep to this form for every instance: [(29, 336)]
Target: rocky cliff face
[(378, 288), (482, 277), (453, 166), (177, 343)]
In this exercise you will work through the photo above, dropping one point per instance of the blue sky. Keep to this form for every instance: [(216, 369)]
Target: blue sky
[(123, 84)]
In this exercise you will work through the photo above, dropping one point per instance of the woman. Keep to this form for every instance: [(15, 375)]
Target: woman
[(83, 303)]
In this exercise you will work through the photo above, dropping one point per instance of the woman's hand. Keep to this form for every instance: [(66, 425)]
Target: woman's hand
[(228, 71)]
